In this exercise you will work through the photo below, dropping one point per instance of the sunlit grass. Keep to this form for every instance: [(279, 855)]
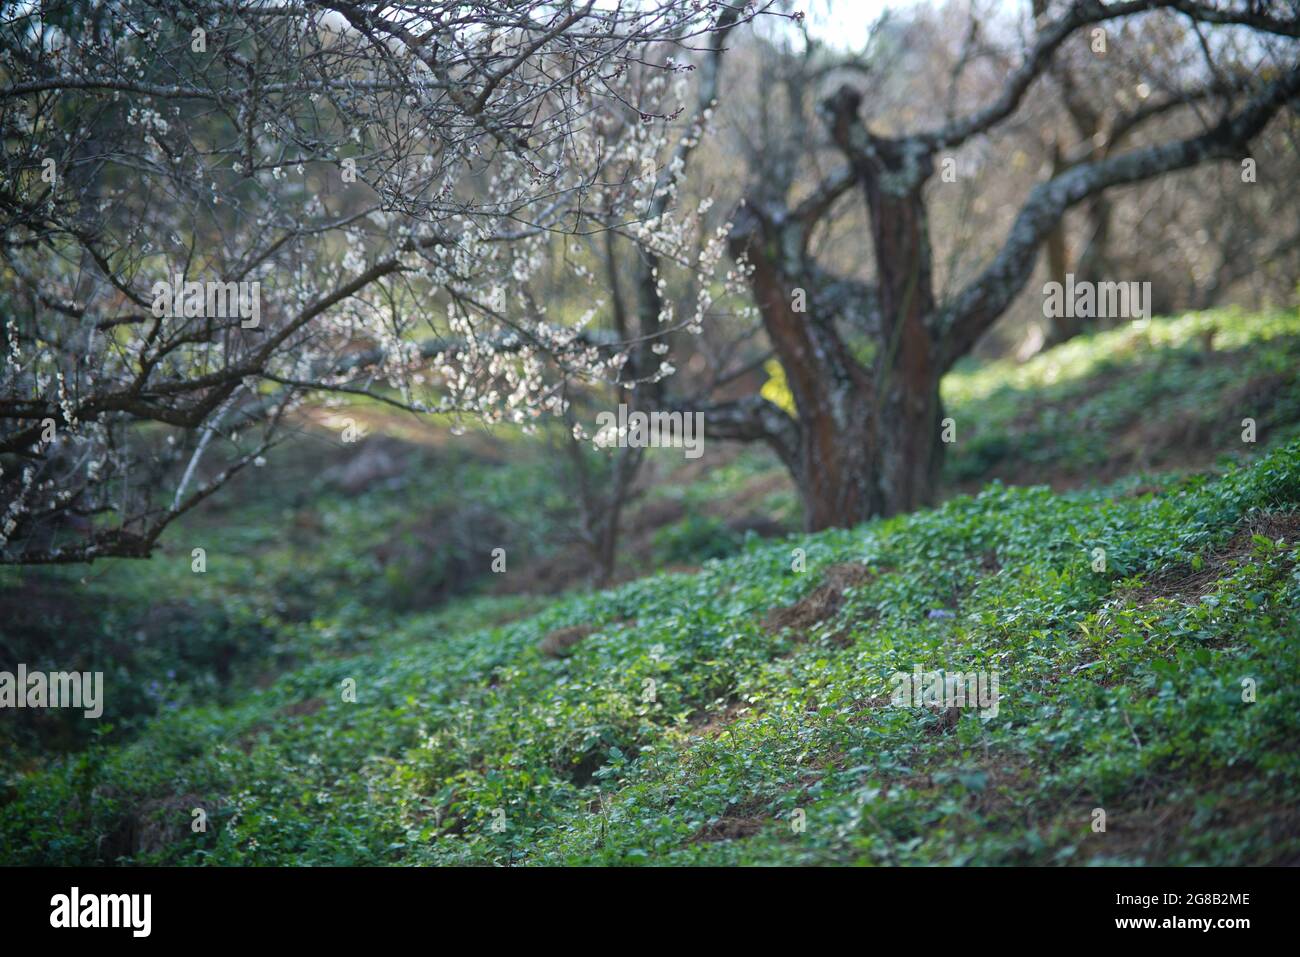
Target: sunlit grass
[(1084, 355)]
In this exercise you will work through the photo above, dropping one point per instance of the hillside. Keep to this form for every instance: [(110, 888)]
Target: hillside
[(740, 711)]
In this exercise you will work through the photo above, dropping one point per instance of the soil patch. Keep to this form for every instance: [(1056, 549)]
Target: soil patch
[(822, 603), (1190, 584)]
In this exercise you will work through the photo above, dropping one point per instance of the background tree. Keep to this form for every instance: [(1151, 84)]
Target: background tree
[(864, 438)]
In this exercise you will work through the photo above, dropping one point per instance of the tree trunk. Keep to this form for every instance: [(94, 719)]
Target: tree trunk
[(1059, 327), (832, 465), (907, 368), (868, 438)]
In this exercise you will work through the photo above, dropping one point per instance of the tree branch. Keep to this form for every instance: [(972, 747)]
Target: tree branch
[(1054, 33), (979, 305)]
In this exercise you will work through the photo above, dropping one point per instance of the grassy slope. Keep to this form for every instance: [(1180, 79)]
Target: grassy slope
[(1166, 394), (1119, 690)]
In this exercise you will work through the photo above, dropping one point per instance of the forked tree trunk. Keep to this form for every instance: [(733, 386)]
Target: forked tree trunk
[(868, 441)]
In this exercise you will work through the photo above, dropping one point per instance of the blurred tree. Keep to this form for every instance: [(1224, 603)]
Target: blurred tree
[(865, 437)]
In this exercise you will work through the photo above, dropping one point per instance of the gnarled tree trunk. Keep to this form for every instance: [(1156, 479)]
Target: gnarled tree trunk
[(869, 435)]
